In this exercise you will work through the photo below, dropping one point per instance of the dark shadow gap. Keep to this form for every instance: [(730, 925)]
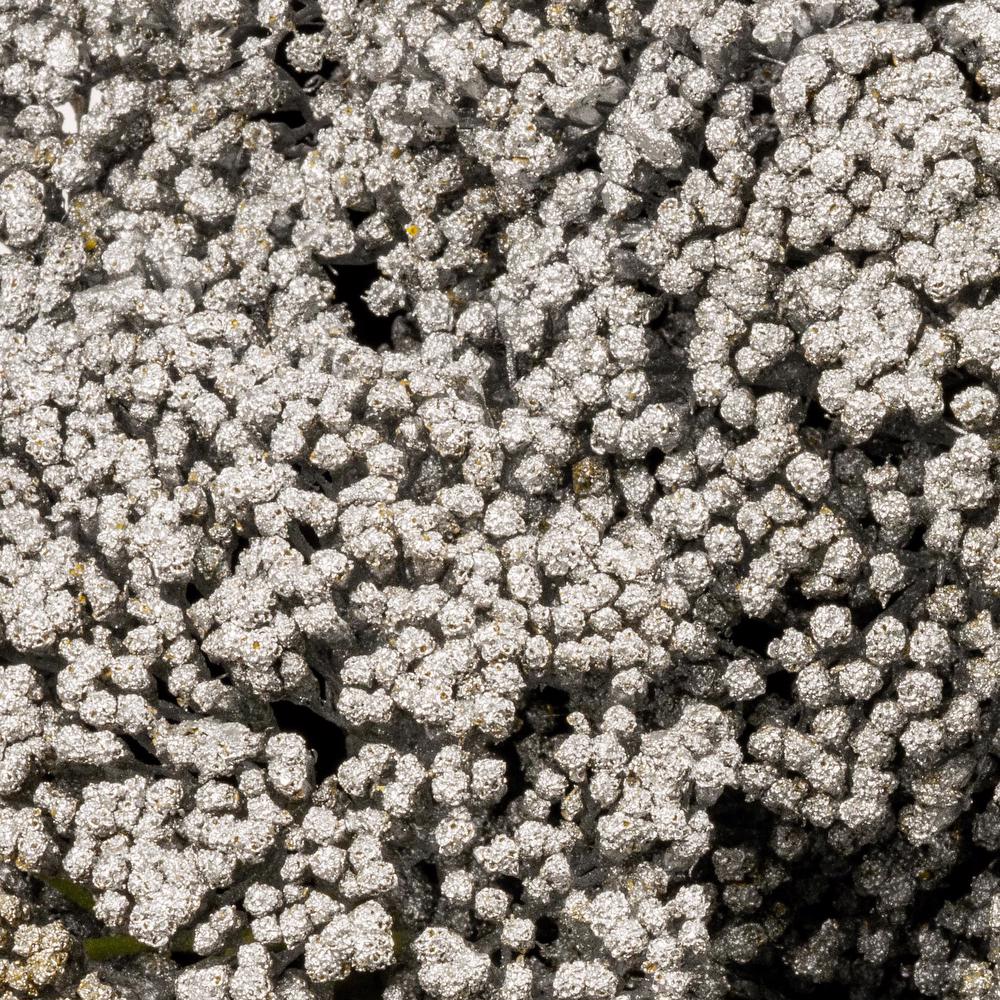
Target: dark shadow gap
[(351, 283), (816, 417), (546, 711), (310, 536), (781, 684), (290, 118), (326, 739), (761, 103), (546, 930), (517, 783), (363, 986), (428, 872), (139, 751), (240, 545), (915, 543), (754, 634)]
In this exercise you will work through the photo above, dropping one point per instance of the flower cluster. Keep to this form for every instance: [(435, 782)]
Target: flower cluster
[(498, 499)]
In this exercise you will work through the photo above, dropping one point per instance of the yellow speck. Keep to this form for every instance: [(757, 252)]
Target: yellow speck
[(412, 230)]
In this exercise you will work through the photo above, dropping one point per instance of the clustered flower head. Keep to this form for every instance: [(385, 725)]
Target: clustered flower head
[(499, 499)]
